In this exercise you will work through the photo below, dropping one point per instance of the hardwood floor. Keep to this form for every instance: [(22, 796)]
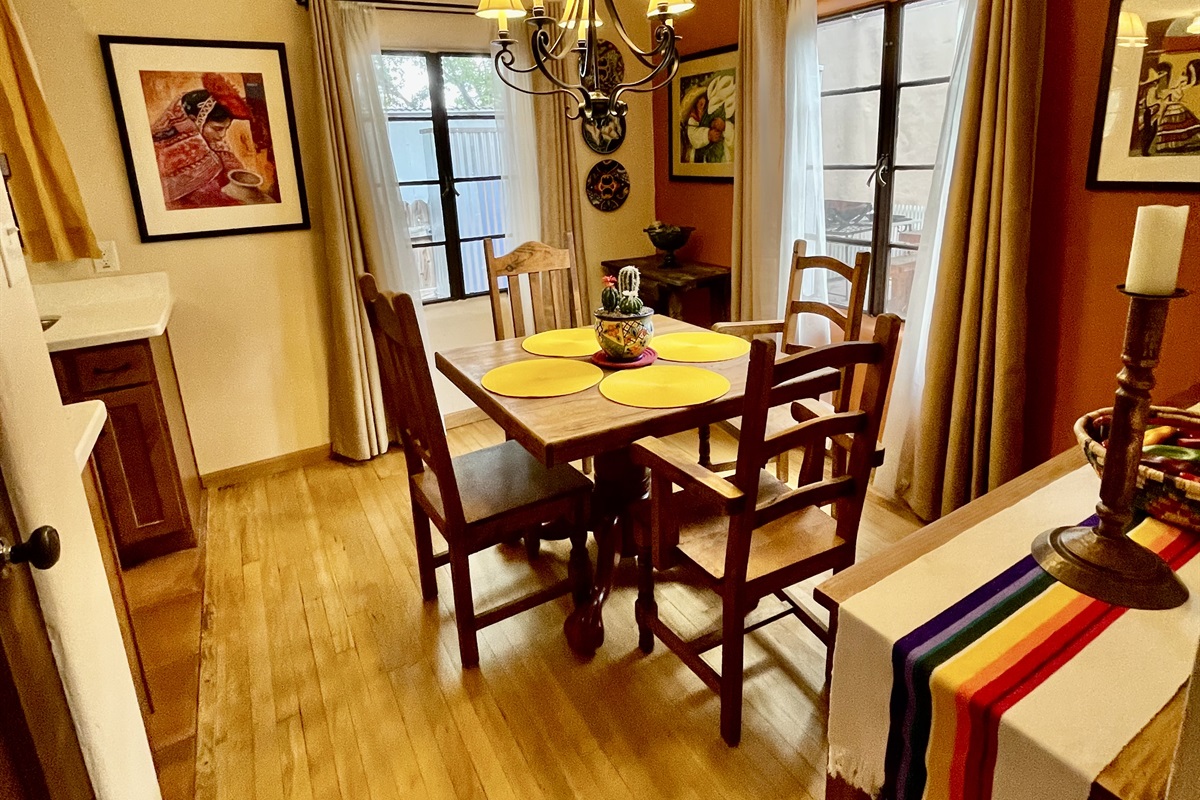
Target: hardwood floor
[(323, 675)]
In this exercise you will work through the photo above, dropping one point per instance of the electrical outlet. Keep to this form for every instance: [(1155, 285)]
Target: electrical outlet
[(108, 261)]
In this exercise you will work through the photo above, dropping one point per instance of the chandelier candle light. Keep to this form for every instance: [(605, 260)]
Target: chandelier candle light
[(1103, 562), (574, 32)]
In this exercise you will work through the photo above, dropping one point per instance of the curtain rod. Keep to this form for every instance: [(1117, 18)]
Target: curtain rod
[(428, 6)]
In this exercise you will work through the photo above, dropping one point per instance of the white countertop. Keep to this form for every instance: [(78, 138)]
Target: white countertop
[(97, 311), (84, 422)]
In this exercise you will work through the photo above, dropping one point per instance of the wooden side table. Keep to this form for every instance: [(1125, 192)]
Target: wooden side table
[(663, 288)]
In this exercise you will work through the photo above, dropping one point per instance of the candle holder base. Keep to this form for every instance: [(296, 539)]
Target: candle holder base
[(1116, 570)]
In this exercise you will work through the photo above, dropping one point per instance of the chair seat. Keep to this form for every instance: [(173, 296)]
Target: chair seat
[(499, 480), (787, 541)]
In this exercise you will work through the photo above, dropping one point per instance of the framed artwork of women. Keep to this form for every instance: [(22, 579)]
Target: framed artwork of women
[(1146, 134), (702, 133), (209, 136)]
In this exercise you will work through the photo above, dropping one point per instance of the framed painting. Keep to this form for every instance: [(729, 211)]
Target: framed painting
[(209, 136), (1146, 134), (703, 116)]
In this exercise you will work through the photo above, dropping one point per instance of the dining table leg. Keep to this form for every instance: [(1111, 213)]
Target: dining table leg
[(619, 484)]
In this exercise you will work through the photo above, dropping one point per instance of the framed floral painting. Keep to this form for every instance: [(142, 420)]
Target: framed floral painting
[(209, 136), (1146, 134), (703, 108)]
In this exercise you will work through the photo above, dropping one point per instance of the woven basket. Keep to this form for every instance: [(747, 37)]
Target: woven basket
[(1167, 498)]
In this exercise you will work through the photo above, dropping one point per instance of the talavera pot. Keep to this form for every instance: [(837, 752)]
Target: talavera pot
[(623, 337)]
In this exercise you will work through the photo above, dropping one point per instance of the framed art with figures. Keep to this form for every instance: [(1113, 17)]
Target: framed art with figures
[(1146, 134), (702, 133), (209, 136)]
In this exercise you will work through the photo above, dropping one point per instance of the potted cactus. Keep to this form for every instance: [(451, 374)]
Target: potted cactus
[(623, 325)]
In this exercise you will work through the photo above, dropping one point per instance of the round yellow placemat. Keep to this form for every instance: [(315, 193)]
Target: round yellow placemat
[(664, 387), (567, 343), (699, 347), (539, 378)]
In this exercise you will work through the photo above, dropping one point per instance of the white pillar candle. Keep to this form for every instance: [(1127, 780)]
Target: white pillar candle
[(1157, 249)]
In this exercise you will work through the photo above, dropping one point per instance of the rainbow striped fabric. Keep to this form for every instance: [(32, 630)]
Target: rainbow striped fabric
[(955, 676), (971, 674)]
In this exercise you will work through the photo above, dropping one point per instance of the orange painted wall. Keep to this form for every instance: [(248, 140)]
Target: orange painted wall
[(706, 206), (1081, 242)]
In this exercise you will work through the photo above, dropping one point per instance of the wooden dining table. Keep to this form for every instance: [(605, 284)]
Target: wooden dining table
[(1139, 772), (557, 430)]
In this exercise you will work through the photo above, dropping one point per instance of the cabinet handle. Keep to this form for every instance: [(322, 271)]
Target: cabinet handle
[(111, 370)]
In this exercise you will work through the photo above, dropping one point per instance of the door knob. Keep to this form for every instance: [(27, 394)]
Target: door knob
[(40, 550)]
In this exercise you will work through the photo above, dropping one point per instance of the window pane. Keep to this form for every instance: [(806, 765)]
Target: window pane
[(475, 147), (850, 50), (920, 123), (475, 268), (901, 266), (839, 287), (850, 128), (467, 83), (431, 266), (480, 208), (910, 193), (412, 149), (930, 29), (404, 83), (423, 208), (848, 203)]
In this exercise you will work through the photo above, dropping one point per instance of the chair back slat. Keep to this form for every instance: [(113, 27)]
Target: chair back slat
[(766, 380), (408, 394), (830, 313), (553, 287)]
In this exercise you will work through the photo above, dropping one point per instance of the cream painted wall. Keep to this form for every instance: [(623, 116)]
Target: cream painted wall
[(607, 235), (249, 326)]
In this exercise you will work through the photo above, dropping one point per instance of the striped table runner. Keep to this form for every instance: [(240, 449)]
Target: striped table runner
[(997, 682)]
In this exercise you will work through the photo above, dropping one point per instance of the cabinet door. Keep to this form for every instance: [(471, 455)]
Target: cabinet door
[(138, 474)]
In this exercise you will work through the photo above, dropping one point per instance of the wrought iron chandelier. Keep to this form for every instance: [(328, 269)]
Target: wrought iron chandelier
[(598, 95)]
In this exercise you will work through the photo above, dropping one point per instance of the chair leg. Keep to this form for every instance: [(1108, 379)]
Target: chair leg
[(782, 467), (587, 465), (705, 446), (464, 607), (579, 568), (425, 568), (533, 545), (645, 608), (732, 648)]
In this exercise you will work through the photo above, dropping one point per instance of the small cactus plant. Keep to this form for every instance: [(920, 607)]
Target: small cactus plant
[(610, 296), (629, 281), (623, 325)]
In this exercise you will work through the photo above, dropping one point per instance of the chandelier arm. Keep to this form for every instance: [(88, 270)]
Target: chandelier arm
[(540, 35), (646, 84), (644, 56), (498, 59)]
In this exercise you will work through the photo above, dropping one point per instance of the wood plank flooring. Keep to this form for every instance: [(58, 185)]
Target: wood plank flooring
[(323, 675)]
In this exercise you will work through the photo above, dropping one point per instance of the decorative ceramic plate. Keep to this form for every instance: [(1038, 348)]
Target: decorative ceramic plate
[(605, 138), (610, 68), (608, 185)]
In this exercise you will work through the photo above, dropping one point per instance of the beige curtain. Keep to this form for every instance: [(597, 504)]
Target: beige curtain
[(54, 225), (969, 431), (758, 191), (558, 174), (365, 226)]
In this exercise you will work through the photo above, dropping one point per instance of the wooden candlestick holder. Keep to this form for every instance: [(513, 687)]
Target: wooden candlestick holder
[(1102, 562)]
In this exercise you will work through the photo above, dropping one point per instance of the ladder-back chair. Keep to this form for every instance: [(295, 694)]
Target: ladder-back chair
[(752, 535), (478, 499), (553, 287)]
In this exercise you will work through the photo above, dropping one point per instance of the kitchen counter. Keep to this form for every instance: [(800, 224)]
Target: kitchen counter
[(105, 310), (84, 422)]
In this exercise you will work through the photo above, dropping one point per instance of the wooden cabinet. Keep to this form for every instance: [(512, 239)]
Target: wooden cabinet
[(139, 462)]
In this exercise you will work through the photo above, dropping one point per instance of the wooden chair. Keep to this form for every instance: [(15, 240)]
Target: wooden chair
[(553, 290), (507, 489), (753, 535), (849, 323), (553, 286)]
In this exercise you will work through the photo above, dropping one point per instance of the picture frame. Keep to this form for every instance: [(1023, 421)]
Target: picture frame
[(1146, 131), (702, 112), (208, 132)]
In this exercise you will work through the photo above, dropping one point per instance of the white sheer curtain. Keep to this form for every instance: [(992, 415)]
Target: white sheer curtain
[(778, 187), (366, 229), (518, 161), (909, 383)]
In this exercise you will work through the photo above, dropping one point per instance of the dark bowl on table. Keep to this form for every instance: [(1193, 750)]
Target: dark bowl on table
[(669, 238)]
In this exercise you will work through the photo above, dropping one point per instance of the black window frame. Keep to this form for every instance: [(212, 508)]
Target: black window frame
[(890, 87), (439, 118)]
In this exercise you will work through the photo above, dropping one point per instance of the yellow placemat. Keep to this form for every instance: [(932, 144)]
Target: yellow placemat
[(664, 387), (567, 343), (539, 378), (699, 347)]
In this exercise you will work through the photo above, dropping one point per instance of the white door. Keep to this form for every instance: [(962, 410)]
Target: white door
[(45, 488)]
